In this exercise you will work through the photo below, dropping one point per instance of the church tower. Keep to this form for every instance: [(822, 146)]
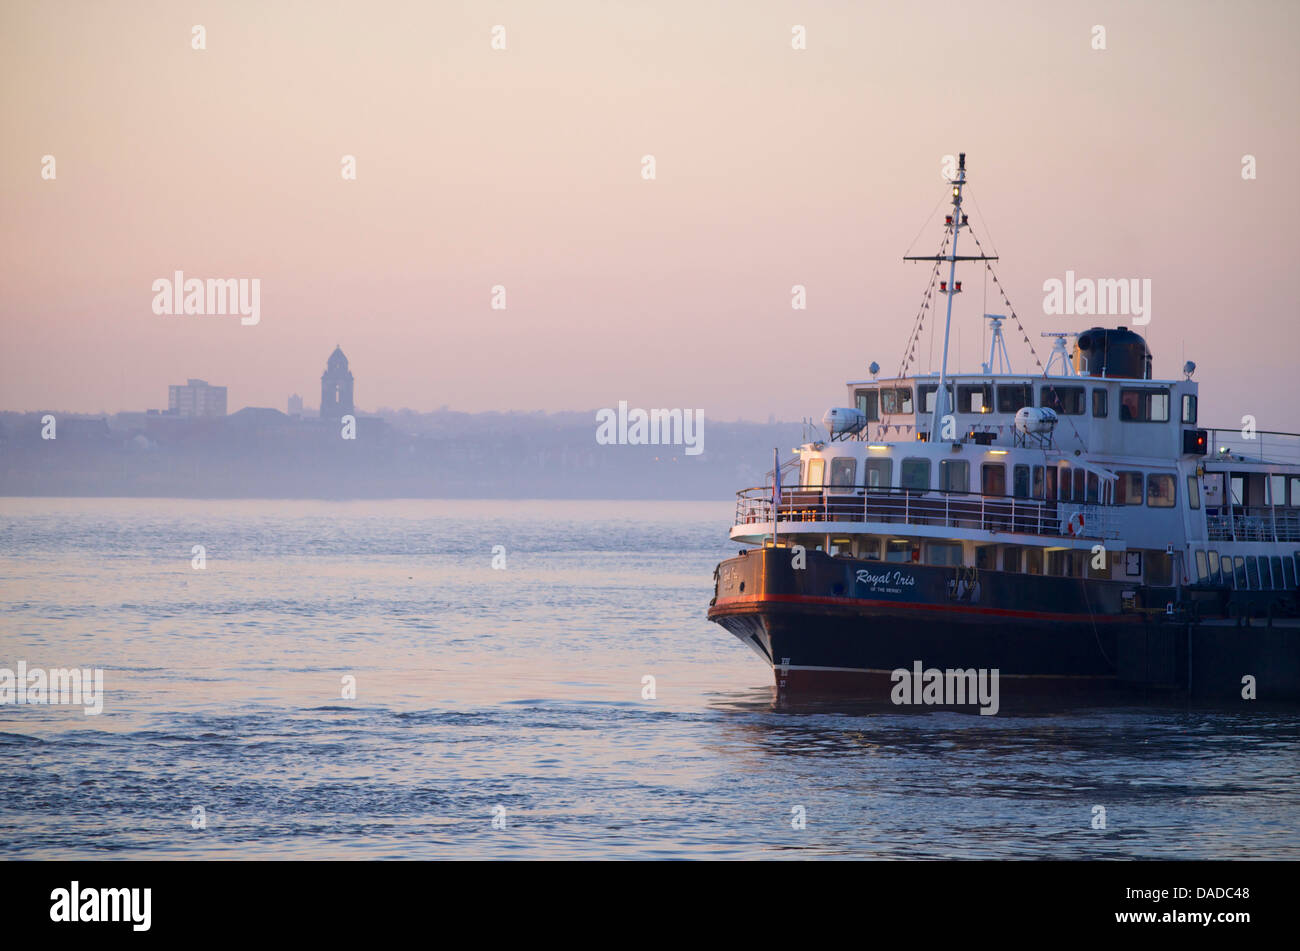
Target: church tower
[(336, 387)]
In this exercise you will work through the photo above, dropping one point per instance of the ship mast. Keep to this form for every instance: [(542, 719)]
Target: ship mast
[(949, 287)]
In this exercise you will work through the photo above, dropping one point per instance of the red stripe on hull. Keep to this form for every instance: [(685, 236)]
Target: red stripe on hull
[(747, 605)]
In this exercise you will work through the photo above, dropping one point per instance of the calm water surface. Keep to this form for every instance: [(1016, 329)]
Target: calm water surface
[(521, 688)]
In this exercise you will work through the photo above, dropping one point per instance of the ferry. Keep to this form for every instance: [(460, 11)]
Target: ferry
[(1074, 528)]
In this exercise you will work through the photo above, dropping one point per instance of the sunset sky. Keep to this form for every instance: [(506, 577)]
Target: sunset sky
[(522, 167)]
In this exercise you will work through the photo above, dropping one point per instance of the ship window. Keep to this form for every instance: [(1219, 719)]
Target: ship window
[(1160, 490), (1011, 558), (1051, 483), (1189, 408), (1278, 581), (1038, 482), (1128, 490), (1144, 406), (1060, 563), (1160, 568), (896, 399), (898, 549), (1202, 568), (1034, 561), (844, 469), (1214, 567), (1066, 400), (954, 475), (1099, 403), (1277, 490), (880, 473), (986, 557), (1289, 567), (925, 395), (1239, 572), (1079, 481), (1021, 482), (1193, 492), (1014, 396), (993, 478), (1092, 487), (943, 553), (1252, 572), (1237, 486), (975, 398), (869, 548), (1295, 490), (868, 402), (816, 471), (915, 474)]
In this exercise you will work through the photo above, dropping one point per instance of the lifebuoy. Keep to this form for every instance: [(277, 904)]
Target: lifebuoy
[(1075, 526)]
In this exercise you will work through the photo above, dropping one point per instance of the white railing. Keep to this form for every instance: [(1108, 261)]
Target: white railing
[(1256, 523), (801, 504)]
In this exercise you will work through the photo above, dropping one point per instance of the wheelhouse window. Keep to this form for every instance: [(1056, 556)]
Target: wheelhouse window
[(868, 403), (1189, 408), (1160, 490), (1277, 490), (1020, 480), (880, 473), (1128, 488), (896, 399), (1034, 561), (816, 471), (844, 470), (943, 553), (1144, 406), (954, 475), (915, 474), (1099, 403), (1066, 400), (1014, 396), (898, 549), (1159, 568), (1064, 563), (925, 394), (975, 398), (993, 478)]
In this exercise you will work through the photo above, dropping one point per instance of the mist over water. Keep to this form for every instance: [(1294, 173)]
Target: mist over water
[(521, 688)]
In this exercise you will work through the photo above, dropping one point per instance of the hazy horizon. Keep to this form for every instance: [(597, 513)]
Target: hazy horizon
[(522, 167)]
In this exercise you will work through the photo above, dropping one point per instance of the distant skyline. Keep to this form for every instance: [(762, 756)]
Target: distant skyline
[(522, 168)]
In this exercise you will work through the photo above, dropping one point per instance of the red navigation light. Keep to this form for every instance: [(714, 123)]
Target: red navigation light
[(943, 285), (957, 286), (947, 220)]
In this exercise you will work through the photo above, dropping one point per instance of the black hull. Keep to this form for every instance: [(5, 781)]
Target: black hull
[(843, 626)]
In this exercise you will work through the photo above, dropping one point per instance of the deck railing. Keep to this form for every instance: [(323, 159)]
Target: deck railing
[(1261, 445), (951, 509), (1254, 523)]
